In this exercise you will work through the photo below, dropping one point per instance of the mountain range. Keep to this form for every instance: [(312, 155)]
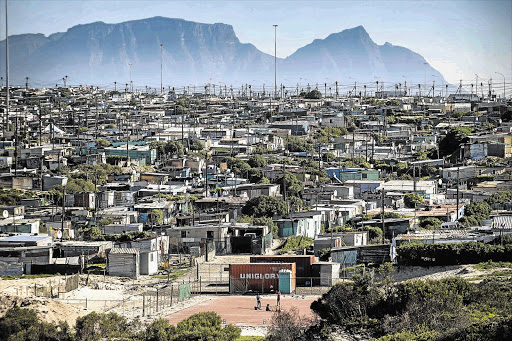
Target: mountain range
[(195, 54)]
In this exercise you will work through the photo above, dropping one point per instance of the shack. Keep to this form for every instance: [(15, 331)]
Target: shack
[(124, 262)]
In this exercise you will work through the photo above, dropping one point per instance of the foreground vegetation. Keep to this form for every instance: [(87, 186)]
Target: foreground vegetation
[(448, 309), (24, 324)]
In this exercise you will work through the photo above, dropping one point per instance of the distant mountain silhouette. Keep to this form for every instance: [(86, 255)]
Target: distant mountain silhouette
[(195, 53)]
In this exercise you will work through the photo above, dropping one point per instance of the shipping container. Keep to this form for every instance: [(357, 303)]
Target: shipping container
[(258, 277), (303, 265)]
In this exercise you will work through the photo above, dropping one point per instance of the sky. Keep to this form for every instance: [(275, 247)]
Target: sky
[(461, 38)]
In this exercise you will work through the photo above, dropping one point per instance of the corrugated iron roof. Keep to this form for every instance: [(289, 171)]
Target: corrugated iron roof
[(502, 222), (123, 250)]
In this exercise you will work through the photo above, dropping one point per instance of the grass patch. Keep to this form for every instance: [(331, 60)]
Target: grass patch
[(250, 338), (295, 242), (173, 275), (28, 276), (492, 265)]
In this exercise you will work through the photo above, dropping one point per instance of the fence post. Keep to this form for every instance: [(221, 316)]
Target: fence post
[(35, 290), (200, 286), (172, 289), (157, 300), (86, 303), (143, 304)]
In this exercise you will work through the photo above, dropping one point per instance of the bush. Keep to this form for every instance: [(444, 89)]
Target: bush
[(430, 223), (264, 206), (417, 253), (411, 199)]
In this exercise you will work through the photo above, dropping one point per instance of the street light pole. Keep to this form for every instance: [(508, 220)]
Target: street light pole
[(161, 70), (275, 60), (131, 87), (503, 83)]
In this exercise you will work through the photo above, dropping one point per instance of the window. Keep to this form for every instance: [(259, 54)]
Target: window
[(151, 257), (183, 234), (209, 234)]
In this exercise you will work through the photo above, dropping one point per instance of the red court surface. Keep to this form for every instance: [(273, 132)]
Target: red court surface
[(239, 310)]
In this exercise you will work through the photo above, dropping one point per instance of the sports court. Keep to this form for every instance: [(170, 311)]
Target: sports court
[(239, 310)]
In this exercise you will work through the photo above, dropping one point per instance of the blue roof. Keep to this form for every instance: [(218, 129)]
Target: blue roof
[(23, 238)]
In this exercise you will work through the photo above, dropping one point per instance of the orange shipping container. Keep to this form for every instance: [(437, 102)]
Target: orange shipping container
[(303, 264), (258, 277)]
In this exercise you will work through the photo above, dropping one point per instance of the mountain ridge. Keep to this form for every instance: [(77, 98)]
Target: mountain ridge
[(199, 53)]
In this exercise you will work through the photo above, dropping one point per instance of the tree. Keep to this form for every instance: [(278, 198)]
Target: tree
[(264, 206), (430, 223), (411, 199), (296, 144), (157, 217), (24, 324), (313, 94), (95, 327), (287, 325), (292, 184), (257, 160), (450, 143), (79, 185), (175, 148), (196, 145), (102, 143), (238, 166), (205, 326)]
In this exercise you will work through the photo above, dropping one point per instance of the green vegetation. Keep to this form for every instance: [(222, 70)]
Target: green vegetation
[(411, 199), (297, 144), (416, 253), (264, 206), (476, 212), (294, 243), (430, 223), (257, 160), (169, 147), (327, 134), (102, 143), (492, 265), (172, 276), (157, 217), (93, 233), (10, 197), (260, 221), (448, 309), (450, 143), (25, 324), (313, 94)]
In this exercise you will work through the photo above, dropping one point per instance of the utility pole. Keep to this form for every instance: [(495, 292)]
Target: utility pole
[(382, 216), (457, 208), (6, 122), (275, 60), (476, 88), (130, 66), (503, 84), (161, 70)]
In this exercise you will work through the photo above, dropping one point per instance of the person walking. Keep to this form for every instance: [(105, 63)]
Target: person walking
[(258, 301), (278, 308)]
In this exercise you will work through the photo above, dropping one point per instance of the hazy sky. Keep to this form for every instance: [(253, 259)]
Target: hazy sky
[(458, 38)]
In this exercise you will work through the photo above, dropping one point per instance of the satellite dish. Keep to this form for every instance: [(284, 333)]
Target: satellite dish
[(5, 214)]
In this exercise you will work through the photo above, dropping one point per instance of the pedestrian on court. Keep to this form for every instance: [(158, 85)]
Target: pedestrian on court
[(258, 301), (278, 308)]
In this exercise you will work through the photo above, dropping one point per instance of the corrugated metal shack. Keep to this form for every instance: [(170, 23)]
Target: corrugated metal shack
[(124, 262)]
